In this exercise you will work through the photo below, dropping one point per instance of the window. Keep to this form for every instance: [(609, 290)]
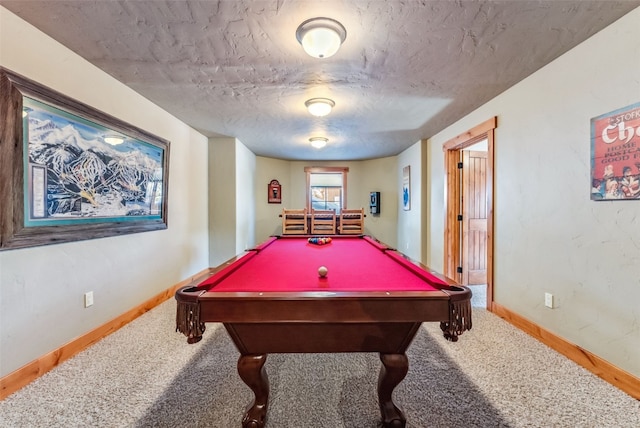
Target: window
[(326, 188), (326, 191)]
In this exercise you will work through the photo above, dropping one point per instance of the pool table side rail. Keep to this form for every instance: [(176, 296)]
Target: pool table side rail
[(460, 318), (305, 307), (451, 308)]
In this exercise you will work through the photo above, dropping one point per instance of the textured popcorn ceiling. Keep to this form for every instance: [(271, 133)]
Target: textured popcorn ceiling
[(407, 69)]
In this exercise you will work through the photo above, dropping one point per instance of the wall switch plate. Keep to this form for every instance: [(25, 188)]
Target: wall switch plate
[(88, 299), (548, 300)]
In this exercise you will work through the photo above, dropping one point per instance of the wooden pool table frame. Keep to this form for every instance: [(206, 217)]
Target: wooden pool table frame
[(385, 322)]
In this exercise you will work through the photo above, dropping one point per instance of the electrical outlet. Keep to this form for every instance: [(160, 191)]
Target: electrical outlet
[(88, 299), (548, 300)]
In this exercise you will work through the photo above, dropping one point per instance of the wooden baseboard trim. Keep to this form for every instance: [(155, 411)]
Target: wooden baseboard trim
[(596, 365), (33, 370)]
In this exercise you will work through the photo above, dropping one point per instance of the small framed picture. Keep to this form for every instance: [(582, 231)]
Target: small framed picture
[(274, 192), (406, 188)]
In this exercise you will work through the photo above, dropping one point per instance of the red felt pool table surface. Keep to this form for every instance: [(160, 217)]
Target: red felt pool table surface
[(291, 264)]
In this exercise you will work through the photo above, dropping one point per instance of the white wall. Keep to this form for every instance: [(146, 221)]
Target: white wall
[(267, 221), (231, 199), (222, 200), (42, 288), (411, 223), (245, 198), (549, 235), (380, 175)]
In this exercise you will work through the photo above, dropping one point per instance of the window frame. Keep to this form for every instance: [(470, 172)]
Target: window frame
[(326, 170)]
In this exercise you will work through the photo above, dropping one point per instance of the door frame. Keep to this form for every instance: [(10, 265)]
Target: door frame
[(453, 197)]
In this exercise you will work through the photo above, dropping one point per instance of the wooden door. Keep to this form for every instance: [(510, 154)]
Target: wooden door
[(474, 217), (453, 188)]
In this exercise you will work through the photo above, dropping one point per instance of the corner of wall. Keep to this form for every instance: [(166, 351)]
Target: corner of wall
[(222, 199), (425, 202), (245, 207)]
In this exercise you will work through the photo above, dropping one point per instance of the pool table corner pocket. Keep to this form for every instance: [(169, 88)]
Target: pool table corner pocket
[(459, 317), (188, 321)]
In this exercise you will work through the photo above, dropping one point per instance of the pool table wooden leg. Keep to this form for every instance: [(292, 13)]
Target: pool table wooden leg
[(394, 369), (252, 372)]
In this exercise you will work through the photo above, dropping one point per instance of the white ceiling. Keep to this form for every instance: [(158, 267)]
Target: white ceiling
[(407, 69)]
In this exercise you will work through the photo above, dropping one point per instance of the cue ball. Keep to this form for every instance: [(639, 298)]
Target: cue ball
[(322, 271)]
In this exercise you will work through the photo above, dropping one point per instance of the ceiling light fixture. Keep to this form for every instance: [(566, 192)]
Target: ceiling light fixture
[(114, 140), (318, 142), (320, 106), (321, 37)]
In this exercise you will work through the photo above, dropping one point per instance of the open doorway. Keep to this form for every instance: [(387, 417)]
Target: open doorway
[(468, 245)]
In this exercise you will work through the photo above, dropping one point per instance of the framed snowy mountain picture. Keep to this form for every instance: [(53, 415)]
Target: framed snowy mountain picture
[(70, 172)]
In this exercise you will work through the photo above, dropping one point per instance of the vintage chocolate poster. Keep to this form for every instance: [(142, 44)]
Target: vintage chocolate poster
[(615, 154)]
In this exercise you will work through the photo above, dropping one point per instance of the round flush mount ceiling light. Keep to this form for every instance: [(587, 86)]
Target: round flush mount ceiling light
[(318, 142), (321, 37), (320, 106), (114, 140)]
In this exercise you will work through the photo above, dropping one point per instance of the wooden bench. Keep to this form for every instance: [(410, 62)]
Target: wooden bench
[(323, 222), (294, 222), (351, 222)]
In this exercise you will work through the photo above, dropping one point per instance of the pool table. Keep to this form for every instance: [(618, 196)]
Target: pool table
[(272, 299)]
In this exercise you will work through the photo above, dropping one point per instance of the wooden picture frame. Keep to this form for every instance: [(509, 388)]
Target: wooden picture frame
[(274, 192), (60, 178)]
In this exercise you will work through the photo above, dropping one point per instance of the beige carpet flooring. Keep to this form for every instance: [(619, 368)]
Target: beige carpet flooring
[(145, 375)]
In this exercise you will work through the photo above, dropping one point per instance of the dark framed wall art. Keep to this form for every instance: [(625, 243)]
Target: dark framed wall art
[(274, 192), (70, 172)]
